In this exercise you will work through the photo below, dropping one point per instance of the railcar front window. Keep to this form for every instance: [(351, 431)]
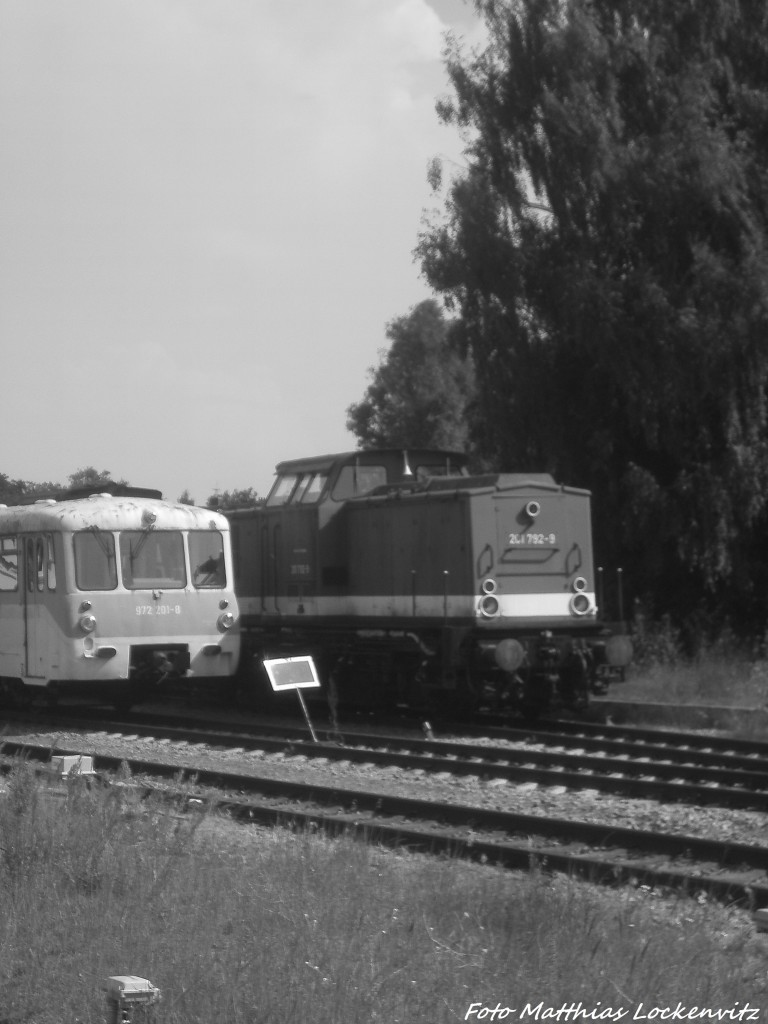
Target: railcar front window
[(152, 558), (206, 558), (95, 563), (9, 564)]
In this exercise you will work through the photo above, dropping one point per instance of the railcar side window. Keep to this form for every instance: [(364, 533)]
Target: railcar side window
[(9, 564), (152, 558), (51, 564), (30, 567), (206, 558), (282, 489), (354, 480), (40, 563), (95, 563)]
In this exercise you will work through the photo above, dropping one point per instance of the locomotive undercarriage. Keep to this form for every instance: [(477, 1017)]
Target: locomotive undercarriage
[(453, 670)]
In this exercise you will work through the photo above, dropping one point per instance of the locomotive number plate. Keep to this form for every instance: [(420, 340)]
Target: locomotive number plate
[(158, 609), (516, 539)]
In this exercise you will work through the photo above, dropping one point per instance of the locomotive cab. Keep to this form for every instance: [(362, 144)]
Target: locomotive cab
[(294, 549)]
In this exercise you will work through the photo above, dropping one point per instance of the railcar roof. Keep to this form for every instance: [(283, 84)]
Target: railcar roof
[(106, 512)]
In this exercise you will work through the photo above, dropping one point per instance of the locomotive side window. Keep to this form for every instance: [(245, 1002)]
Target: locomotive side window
[(354, 480), (95, 563), (206, 557), (9, 564), (282, 489), (152, 558), (446, 468)]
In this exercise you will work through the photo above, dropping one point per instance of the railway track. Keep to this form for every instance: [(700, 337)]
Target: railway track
[(727, 870), (672, 768), (736, 872)]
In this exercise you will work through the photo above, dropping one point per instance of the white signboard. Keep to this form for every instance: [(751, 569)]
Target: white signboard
[(292, 673)]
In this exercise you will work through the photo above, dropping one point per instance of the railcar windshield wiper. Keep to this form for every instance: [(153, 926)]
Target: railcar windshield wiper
[(101, 540), (134, 552)]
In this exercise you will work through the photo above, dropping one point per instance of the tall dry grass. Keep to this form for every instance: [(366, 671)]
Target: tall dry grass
[(241, 926)]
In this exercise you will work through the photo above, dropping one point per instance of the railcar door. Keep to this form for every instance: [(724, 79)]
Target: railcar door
[(12, 607), (39, 581)]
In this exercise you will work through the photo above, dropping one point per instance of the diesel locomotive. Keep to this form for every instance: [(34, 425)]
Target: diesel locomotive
[(110, 594), (413, 583)]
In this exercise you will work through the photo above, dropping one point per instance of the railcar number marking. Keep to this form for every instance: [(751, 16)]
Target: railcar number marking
[(532, 538), (158, 609)]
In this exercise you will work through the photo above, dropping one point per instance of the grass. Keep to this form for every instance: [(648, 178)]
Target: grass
[(730, 682), (242, 926)]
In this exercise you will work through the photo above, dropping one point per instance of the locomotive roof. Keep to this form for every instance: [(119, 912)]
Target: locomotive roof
[(107, 512), (452, 485), (318, 463)]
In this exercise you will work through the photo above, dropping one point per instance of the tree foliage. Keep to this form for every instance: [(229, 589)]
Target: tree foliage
[(419, 393), (17, 492), (91, 477), (243, 498), (620, 338)]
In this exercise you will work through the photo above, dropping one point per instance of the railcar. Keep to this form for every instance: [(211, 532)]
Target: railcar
[(413, 583), (108, 595)]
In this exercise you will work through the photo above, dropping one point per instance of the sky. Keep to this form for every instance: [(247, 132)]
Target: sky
[(208, 211)]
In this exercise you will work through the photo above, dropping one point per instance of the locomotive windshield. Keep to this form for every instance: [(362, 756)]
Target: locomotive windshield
[(297, 488)]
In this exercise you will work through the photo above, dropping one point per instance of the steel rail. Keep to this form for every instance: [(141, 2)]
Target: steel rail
[(637, 778)]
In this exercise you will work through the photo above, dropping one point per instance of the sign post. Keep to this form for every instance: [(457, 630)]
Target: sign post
[(294, 674)]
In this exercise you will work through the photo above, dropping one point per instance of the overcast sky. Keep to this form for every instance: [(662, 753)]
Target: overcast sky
[(208, 210)]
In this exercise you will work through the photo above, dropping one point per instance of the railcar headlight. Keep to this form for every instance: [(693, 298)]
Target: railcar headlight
[(225, 621), (579, 584), (532, 509), (87, 623)]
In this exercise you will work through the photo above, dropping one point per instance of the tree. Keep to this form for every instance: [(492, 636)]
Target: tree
[(245, 498), (619, 338), (17, 492), (419, 394), (90, 477)]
